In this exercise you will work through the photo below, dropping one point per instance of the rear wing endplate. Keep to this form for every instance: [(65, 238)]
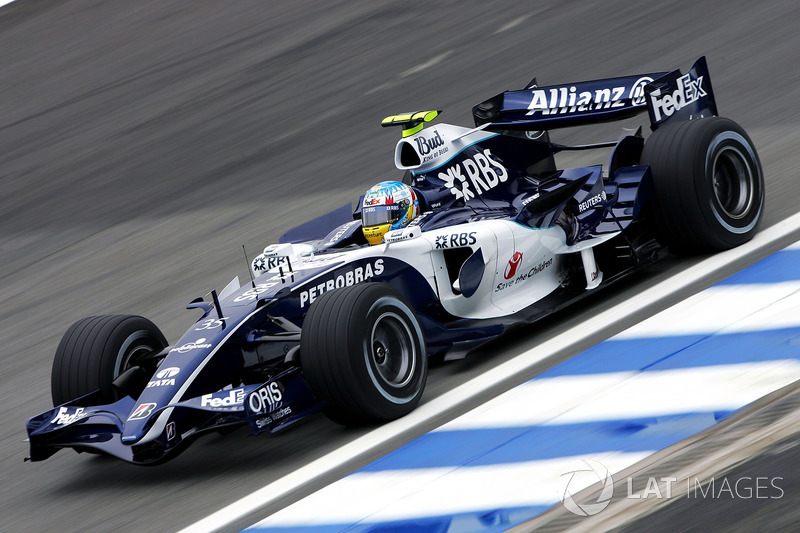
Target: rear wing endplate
[(677, 96)]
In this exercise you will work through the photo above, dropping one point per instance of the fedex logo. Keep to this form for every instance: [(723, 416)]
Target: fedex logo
[(67, 415), (688, 91), (234, 398)]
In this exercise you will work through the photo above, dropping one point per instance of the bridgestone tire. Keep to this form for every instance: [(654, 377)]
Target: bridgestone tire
[(362, 351), (96, 350), (709, 186)]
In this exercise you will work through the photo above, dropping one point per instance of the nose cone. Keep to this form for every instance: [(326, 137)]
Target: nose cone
[(137, 425)]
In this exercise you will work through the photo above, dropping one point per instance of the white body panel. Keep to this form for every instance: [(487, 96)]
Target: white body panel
[(536, 275), (521, 265), (437, 144)]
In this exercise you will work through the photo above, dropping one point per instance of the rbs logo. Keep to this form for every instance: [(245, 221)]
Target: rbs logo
[(474, 175)]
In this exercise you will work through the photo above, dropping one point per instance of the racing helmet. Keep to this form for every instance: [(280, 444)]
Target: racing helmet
[(387, 206)]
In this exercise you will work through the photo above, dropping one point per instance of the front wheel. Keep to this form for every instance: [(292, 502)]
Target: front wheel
[(709, 186), (96, 350), (363, 353)]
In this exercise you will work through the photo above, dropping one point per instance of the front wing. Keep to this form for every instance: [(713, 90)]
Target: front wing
[(87, 427)]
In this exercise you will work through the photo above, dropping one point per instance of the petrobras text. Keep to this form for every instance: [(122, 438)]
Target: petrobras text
[(345, 279)]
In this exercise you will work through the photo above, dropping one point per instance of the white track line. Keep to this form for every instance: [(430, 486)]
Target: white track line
[(418, 493), (523, 364), (402, 494), (628, 395), (724, 309)]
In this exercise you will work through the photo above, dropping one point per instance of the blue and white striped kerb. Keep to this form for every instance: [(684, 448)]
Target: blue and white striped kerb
[(652, 385)]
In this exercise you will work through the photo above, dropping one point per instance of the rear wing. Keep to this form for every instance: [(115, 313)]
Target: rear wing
[(665, 95), (677, 96)]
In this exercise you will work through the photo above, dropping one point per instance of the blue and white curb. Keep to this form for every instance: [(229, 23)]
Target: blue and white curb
[(652, 385)]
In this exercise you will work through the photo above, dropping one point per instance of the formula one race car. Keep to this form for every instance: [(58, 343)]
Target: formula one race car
[(484, 233)]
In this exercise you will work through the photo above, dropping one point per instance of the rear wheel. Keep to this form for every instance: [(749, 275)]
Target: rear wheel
[(709, 186), (363, 353), (97, 350)]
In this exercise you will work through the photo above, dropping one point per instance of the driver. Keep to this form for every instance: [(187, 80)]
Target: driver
[(387, 206)]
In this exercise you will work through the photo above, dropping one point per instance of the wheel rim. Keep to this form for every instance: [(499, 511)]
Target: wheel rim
[(733, 182), (391, 350), (134, 347)]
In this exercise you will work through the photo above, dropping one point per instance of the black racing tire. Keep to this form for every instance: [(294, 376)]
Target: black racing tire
[(96, 350), (708, 182), (363, 353)]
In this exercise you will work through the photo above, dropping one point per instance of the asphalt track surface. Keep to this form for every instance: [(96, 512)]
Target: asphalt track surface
[(765, 511), (142, 143)]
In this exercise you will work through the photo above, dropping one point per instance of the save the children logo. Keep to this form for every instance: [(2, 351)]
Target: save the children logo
[(513, 263)]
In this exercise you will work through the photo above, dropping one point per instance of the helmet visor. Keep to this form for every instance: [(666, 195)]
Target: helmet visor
[(377, 215)]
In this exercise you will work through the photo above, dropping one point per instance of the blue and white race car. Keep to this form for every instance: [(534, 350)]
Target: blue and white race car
[(482, 233)]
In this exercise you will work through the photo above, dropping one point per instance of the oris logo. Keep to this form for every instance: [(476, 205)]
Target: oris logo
[(513, 263), (263, 399)]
